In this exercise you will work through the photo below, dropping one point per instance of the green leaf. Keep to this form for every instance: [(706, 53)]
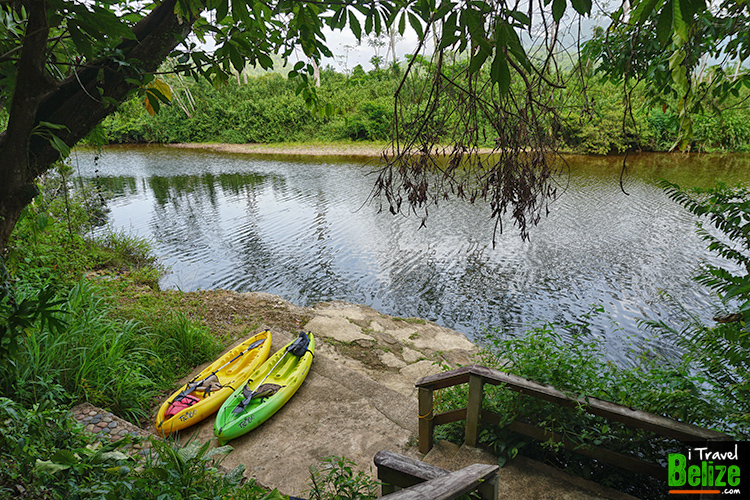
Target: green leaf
[(664, 24), (450, 34), (583, 7), (416, 25), (642, 11), (222, 9), (82, 44), (558, 9), (368, 22), (265, 61), (65, 457), (474, 22), (477, 60), (355, 26), (402, 24), (681, 28), (234, 55), (520, 17), (59, 146), (49, 466), (500, 73)]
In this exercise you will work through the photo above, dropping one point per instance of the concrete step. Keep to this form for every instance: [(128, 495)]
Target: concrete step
[(523, 478)]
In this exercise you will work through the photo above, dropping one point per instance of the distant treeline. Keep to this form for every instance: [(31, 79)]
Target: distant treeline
[(359, 106)]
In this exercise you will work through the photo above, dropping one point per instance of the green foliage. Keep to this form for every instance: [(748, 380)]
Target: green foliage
[(266, 109), (728, 211), (667, 45), (722, 351), (55, 237), (654, 383), (28, 435), (337, 479), (45, 454), (112, 363)]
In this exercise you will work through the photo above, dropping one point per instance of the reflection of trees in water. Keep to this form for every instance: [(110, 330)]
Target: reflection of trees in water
[(110, 186), (187, 213), (166, 189)]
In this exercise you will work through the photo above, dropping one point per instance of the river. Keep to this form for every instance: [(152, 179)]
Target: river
[(303, 230)]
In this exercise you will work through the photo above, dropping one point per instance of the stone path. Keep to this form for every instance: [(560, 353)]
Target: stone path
[(109, 427)]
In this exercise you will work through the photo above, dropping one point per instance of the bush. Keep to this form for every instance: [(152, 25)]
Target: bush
[(46, 455)]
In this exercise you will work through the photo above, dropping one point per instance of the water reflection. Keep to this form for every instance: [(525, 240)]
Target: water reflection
[(300, 230)]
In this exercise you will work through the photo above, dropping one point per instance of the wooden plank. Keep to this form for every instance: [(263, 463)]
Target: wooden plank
[(449, 416), (450, 486), (629, 416), (426, 425), (473, 410), (446, 379), (398, 471)]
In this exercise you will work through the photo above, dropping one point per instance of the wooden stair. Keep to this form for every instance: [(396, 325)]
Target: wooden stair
[(522, 478)]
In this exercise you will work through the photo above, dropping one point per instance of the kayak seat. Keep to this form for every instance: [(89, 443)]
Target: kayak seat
[(209, 385), (265, 391)]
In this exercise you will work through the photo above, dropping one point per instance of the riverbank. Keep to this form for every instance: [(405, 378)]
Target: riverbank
[(369, 150), (358, 149), (358, 399)]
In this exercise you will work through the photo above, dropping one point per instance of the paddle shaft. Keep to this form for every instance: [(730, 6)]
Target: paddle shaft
[(190, 386), (272, 369), (252, 346)]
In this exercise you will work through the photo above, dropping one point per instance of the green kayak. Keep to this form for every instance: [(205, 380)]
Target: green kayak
[(267, 390)]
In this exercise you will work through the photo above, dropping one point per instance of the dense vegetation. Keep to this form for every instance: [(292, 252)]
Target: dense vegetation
[(359, 106)]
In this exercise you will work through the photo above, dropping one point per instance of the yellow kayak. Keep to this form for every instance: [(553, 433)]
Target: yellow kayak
[(207, 391)]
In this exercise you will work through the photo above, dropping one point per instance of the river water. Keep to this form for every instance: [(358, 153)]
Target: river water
[(302, 229)]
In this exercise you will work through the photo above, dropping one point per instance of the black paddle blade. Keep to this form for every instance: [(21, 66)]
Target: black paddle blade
[(300, 345), (255, 344)]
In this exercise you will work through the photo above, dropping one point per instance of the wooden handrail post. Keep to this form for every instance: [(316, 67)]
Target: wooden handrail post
[(474, 409), (426, 425)]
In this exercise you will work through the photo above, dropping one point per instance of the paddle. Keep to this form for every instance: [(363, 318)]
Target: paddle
[(297, 348), (192, 385)]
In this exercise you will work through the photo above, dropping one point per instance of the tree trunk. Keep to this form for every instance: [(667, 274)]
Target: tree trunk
[(77, 103)]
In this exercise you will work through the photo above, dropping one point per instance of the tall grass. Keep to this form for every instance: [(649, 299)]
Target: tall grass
[(109, 362)]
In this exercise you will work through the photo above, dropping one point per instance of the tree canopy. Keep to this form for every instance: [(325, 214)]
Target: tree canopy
[(65, 65)]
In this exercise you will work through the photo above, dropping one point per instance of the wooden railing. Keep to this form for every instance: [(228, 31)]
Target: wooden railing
[(476, 376), (422, 480)]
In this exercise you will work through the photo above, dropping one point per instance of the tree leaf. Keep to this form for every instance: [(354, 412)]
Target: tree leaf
[(355, 26), (558, 9), (583, 7), (642, 11), (234, 55), (679, 25), (477, 60), (416, 25), (500, 73), (664, 24)]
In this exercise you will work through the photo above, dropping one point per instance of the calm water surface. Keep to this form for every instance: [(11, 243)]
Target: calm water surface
[(302, 230)]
